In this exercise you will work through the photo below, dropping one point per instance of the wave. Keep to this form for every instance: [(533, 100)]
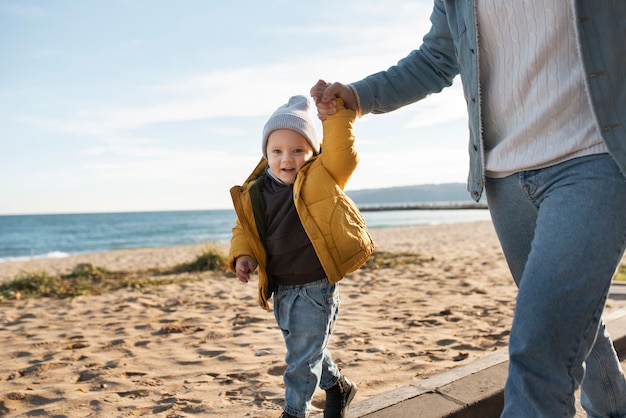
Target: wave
[(51, 254)]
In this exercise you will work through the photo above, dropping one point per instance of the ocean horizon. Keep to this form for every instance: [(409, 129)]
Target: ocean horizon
[(24, 237)]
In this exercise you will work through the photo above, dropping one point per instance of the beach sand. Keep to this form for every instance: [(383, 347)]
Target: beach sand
[(205, 348)]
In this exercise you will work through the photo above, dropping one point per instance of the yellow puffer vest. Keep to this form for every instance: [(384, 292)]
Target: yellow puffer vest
[(331, 220)]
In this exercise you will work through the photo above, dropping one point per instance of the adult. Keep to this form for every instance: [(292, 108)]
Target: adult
[(545, 85)]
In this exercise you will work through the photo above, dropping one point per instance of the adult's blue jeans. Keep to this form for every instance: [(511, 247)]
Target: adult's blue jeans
[(306, 315), (563, 233)]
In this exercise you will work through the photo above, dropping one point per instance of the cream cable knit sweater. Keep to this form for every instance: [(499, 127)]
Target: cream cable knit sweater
[(536, 111)]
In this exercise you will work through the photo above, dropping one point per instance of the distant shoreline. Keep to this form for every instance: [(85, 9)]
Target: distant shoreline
[(422, 206)]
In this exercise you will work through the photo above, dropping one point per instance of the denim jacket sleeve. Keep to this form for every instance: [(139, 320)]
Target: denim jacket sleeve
[(426, 70), (448, 49)]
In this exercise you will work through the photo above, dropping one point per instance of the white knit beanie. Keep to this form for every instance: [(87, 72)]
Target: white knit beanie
[(294, 115)]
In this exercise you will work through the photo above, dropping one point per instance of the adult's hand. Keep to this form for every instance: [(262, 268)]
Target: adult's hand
[(323, 94)]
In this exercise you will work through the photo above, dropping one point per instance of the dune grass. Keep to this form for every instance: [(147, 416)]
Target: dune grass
[(385, 259), (86, 279)]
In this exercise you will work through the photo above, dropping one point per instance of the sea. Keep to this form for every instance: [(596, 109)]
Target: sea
[(25, 237)]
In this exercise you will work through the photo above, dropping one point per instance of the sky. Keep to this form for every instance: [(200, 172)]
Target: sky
[(149, 105)]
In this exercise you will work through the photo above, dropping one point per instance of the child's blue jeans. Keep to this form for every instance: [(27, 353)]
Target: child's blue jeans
[(563, 232), (306, 315)]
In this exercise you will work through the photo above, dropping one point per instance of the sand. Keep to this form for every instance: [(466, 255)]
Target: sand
[(205, 348)]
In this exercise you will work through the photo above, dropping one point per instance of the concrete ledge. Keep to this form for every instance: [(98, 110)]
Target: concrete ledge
[(475, 387), (472, 390)]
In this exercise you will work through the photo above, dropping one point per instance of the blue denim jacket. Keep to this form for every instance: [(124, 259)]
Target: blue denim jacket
[(451, 48)]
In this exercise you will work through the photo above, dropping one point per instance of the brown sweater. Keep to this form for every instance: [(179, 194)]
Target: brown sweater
[(291, 259)]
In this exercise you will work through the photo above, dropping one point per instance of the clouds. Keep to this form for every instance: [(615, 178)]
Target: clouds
[(169, 99)]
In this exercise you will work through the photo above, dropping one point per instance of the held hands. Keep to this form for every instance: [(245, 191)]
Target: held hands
[(243, 267), (323, 94)]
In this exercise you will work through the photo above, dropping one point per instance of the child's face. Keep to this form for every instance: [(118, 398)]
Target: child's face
[(287, 152)]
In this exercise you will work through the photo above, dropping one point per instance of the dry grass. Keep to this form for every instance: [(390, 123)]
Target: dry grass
[(86, 279)]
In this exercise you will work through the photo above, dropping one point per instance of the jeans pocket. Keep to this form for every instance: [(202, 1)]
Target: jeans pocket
[(316, 298), (322, 298)]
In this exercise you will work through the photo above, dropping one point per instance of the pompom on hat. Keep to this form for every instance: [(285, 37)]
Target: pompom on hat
[(294, 115)]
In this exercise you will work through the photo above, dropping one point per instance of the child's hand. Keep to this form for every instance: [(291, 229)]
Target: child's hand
[(243, 267)]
